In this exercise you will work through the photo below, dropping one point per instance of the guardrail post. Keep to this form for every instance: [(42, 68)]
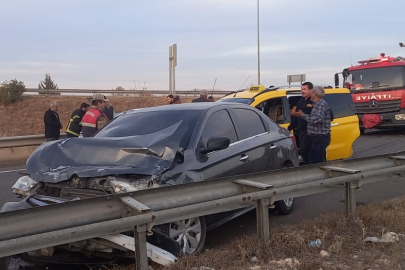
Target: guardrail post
[(350, 200), (141, 256), (262, 217)]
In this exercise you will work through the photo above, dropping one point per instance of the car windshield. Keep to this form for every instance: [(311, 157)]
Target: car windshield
[(154, 122), (377, 78), (237, 100)]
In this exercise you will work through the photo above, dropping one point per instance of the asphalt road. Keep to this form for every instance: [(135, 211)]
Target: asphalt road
[(374, 142)]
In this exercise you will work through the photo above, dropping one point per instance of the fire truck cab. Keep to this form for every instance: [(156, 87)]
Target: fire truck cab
[(377, 86)]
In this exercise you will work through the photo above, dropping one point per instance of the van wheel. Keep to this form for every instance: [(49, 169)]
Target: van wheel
[(284, 207), (189, 233), (361, 131), (4, 262)]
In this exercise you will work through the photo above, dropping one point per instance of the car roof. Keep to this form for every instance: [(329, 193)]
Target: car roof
[(197, 106), (282, 89)]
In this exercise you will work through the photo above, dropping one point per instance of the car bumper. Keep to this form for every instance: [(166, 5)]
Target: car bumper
[(389, 120)]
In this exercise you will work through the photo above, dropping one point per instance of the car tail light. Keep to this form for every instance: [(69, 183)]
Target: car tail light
[(293, 139)]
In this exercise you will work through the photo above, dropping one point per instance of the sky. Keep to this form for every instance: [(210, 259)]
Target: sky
[(102, 44)]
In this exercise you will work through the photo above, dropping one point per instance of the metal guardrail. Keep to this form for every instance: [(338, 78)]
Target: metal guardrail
[(41, 227), (20, 141), (127, 92)]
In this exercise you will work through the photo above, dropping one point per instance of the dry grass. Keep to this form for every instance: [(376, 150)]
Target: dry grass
[(26, 116), (342, 238)]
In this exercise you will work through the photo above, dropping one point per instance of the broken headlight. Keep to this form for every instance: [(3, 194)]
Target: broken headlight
[(24, 185), (124, 186)]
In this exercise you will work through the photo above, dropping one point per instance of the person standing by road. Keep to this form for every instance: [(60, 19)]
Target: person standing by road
[(176, 99), (319, 123), (94, 119), (203, 96), (299, 124), (108, 109), (169, 99), (52, 123), (74, 127)]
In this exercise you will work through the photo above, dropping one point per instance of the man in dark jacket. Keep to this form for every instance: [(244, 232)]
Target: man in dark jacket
[(74, 127), (203, 97), (52, 123), (108, 109), (299, 124)]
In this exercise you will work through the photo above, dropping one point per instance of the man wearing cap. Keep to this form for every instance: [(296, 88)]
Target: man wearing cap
[(203, 96), (94, 119), (74, 127), (108, 109)]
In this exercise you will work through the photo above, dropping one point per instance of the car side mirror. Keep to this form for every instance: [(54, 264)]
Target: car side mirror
[(216, 144), (336, 80)]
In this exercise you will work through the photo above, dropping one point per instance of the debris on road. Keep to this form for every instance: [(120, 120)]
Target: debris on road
[(316, 243), (324, 253), (389, 237)]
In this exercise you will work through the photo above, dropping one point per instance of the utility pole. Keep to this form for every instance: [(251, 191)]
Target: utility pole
[(172, 68), (258, 44)]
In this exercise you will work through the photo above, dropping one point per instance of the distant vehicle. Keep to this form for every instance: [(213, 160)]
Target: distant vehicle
[(150, 148), (378, 90), (276, 103)]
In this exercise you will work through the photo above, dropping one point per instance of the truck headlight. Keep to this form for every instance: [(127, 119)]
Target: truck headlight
[(399, 117), (24, 185)]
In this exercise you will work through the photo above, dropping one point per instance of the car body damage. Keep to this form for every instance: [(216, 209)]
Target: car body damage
[(150, 154), (151, 148)]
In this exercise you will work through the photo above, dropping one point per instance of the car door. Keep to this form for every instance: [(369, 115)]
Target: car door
[(264, 144), (344, 127), (225, 162)]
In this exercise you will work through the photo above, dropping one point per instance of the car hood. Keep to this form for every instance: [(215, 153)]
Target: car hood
[(150, 154)]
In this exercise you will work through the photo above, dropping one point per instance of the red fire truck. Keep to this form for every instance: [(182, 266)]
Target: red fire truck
[(378, 90)]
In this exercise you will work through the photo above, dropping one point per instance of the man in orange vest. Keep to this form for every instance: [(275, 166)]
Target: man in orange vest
[(94, 119)]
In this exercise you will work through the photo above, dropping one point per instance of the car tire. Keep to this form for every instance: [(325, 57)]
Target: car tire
[(284, 207), (362, 131), (189, 233), (4, 262)]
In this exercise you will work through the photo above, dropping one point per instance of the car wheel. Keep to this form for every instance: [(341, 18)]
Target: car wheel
[(361, 131), (189, 233), (284, 207), (4, 262)]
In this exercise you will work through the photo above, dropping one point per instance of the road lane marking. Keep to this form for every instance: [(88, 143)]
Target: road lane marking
[(13, 171)]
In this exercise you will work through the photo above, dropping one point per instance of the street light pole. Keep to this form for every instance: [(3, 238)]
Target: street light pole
[(258, 44)]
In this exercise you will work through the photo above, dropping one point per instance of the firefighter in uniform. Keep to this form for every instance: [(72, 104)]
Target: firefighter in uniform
[(94, 119), (74, 127)]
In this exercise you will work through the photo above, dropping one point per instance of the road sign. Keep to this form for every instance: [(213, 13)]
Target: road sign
[(296, 78)]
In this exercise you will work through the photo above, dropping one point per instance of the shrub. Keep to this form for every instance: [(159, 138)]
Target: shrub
[(11, 91)]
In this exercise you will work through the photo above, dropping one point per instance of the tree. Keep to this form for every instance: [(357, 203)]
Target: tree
[(47, 84), (118, 88), (11, 91)]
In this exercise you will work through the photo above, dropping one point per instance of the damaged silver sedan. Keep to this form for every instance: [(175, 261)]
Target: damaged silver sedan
[(150, 148)]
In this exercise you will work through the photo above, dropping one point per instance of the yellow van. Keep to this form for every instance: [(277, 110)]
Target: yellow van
[(277, 102)]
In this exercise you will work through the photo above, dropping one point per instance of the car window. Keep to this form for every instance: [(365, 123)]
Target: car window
[(274, 109), (341, 104), (176, 124), (250, 123), (219, 124)]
